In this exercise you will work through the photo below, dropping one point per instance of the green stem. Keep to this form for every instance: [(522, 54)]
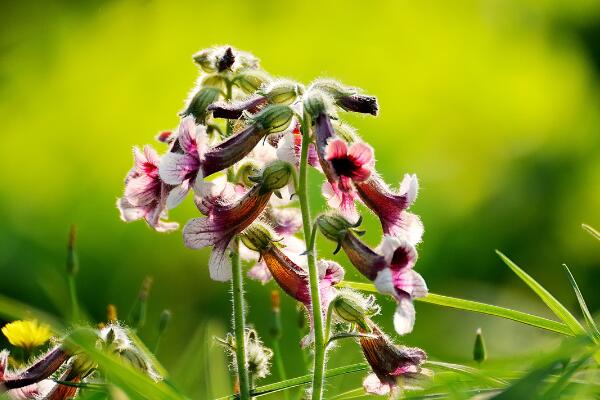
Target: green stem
[(237, 290), (328, 323), (317, 316), (73, 296)]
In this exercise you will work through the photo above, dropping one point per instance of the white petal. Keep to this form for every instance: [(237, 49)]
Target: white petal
[(177, 195), (199, 233), (404, 317), (373, 385), (384, 282), (419, 287), (173, 168), (260, 272), (410, 187), (219, 264), (388, 247)]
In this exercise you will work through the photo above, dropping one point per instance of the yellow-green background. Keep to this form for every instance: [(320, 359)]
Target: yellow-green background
[(494, 104)]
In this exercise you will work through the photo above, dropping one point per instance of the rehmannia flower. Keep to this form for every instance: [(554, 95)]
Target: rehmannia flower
[(390, 267), (347, 98), (226, 219), (146, 195), (190, 159), (394, 367)]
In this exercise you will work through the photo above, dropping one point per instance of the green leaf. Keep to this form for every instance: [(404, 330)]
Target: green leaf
[(557, 388), (557, 308), (591, 231), (13, 309), (483, 308), (584, 309), (301, 380)]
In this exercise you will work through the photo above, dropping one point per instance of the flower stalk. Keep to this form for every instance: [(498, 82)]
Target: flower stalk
[(317, 315), (239, 321)]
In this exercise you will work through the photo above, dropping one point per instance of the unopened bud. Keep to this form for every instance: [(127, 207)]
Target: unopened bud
[(111, 313), (226, 60), (351, 311), (257, 237), (250, 81), (479, 350), (275, 176), (82, 365), (206, 59), (138, 313), (245, 171), (283, 92), (315, 103), (199, 103), (348, 98), (274, 118), (72, 259), (163, 322), (213, 81)]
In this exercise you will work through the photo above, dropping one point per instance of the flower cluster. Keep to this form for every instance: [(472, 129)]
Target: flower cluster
[(242, 147)]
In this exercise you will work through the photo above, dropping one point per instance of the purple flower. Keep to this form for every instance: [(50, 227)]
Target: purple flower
[(391, 206), (146, 195), (390, 267), (390, 363), (226, 216), (235, 110)]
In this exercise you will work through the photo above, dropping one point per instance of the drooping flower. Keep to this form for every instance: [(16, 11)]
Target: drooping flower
[(31, 381), (225, 219), (390, 267), (393, 366), (347, 98), (146, 195), (390, 207), (191, 159), (27, 334), (291, 277)]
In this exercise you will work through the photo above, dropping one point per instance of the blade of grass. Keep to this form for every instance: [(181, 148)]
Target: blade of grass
[(556, 389), (584, 309), (469, 371), (557, 308), (591, 231), (482, 308), (301, 380)]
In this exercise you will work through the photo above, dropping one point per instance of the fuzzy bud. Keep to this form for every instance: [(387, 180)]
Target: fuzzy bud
[(199, 103), (245, 171), (275, 176), (351, 311), (334, 226), (206, 59), (226, 60), (283, 92), (348, 98), (213, 81), (164, 320), (111, 313), (274, 118), (315, 103), (257, 237), (251, 80)]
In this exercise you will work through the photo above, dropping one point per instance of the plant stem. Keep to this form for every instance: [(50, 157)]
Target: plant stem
[(237, 290), (317, 316), (73, 296)]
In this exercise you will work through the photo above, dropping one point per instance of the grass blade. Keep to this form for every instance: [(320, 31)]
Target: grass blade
[(584, 309), (591, 231), (482, 308), (469, 371), (557, 308)]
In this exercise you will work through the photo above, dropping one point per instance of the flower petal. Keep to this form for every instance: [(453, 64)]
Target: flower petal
[(201, 232), (362, 153), (177, 194), (398, 252), (174, 167), (373, 385), (260, 272), (330, 271), (404, 317), (336, 148), (412, 283), (219, 264)]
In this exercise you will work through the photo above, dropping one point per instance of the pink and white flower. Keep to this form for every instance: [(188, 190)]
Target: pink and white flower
[(146, 196)]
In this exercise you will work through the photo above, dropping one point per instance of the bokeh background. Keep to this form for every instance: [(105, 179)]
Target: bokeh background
[(494, 104)]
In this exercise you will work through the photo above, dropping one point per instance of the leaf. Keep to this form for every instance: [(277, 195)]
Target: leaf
[(557, 388), (483, 308), (469, 371), (591, 231), (584, 309), (528, 386), (557, 308)]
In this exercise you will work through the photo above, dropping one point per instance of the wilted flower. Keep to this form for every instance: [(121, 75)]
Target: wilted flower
[(393, 366), (390, 267), (27, 334), (146, 195), (258, 356)]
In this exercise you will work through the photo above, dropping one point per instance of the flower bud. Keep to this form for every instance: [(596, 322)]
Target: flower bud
[(250, 81), (226, 60), (479, 350), (213, 81), (164, 320), (334, 226), (245, 171), (257, 237), (111, 313), (283, 92), (351, 311), (275, 176), (83, 365), (72, 259), (199, 103), (348, 98), (315, 103), (274, 118), (206, 59)]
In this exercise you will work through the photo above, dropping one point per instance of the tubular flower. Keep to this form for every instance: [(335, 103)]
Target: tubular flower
[(289, 149), (191, 159), (31, 381), (146, 195), (226, 219), (391, 206), (236, 110), (348, 98), (390, 267), (393, 366), (291, 277)]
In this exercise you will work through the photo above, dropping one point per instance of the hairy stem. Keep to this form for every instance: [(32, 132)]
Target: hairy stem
[(319, 360), (239, 322)]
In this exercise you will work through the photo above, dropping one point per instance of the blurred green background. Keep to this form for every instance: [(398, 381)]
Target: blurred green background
[(493, 104)]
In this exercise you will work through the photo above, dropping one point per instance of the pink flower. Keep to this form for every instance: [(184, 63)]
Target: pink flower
[(390, 363), (351, 164), (289, 149), (391, 206), (146, 195), (390, 267)]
